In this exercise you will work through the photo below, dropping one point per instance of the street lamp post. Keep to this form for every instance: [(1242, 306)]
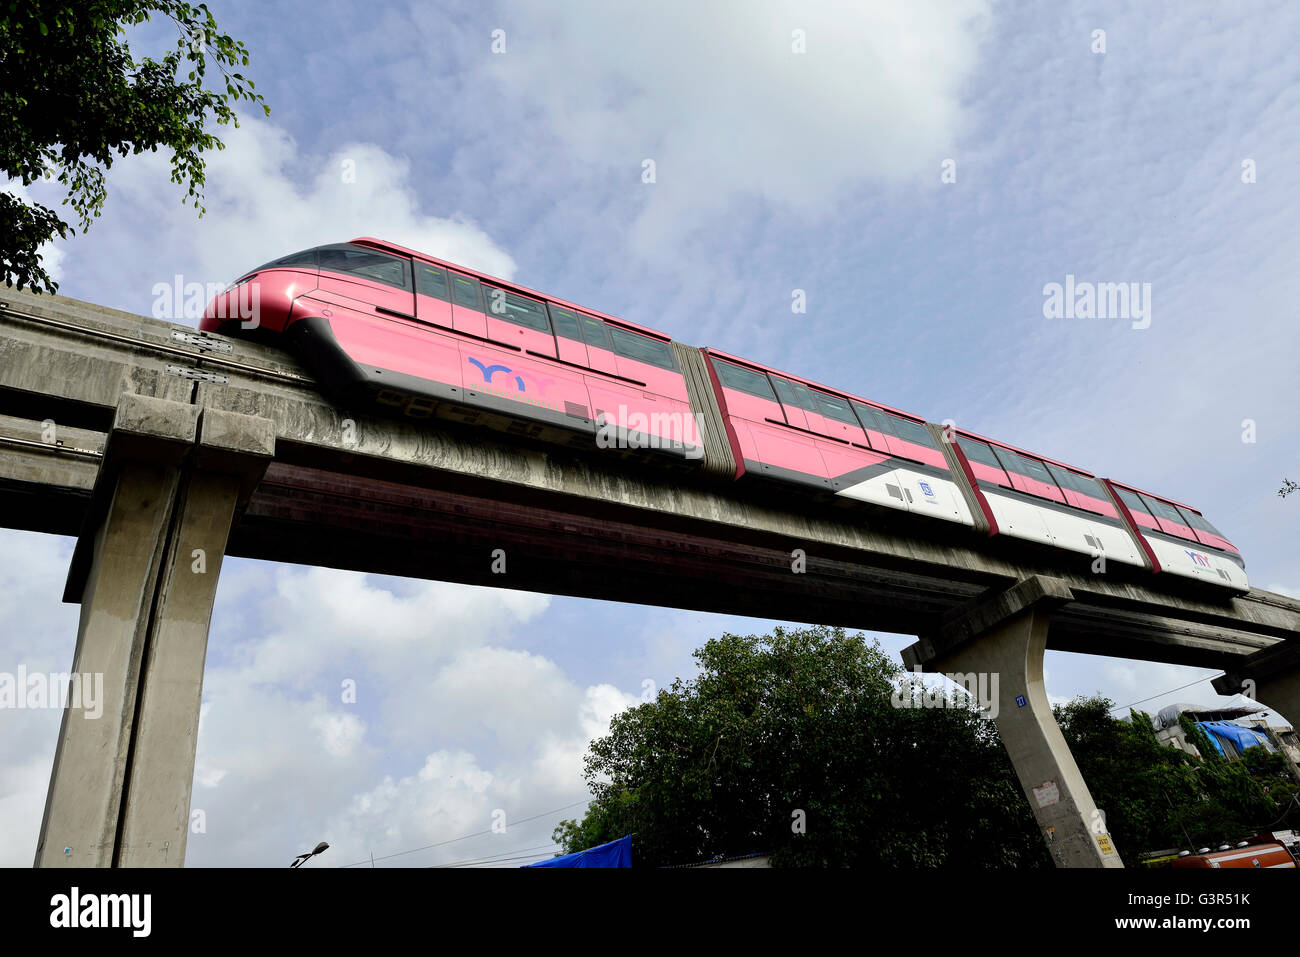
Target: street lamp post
[(302, 859)]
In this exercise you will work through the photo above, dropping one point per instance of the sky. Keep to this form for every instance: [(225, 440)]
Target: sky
[(920, 170)]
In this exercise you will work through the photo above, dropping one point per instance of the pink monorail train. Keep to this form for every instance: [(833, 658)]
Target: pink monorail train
[(424, 337)]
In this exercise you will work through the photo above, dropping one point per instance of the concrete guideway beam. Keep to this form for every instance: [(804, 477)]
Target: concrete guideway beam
[(1003, 638), (145, 572)]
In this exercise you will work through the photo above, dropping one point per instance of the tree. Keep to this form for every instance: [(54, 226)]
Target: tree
[(1156, 796), (1287, 488), (72, 97), (791, 744)]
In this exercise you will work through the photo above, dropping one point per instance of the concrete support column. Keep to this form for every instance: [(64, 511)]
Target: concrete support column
[(145, 572), (1006, 637)]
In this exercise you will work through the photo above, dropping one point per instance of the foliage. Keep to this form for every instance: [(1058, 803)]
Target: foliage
[(1288, 487), (802, 721), (1156, 796), (72, 96)]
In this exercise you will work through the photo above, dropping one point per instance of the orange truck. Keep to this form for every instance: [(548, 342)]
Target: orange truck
[(1261, 852)]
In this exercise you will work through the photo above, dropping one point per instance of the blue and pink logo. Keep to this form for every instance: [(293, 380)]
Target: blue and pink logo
[(490, 371)]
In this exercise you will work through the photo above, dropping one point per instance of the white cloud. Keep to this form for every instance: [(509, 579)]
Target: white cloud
[(363, 620), (715, 95), (340, 734), (448, 728), (264, 199)]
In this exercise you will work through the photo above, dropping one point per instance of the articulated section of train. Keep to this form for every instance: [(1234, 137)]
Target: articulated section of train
[(424, 338)]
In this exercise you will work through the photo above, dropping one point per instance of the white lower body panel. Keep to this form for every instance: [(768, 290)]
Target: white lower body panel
[(1191, 561), (1061, 529), (913, 491)]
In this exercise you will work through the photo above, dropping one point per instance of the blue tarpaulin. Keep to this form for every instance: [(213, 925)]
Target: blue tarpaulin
[(1241, 737), (614, 854)]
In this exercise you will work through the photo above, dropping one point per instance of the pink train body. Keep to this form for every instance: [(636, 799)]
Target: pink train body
[(423, 337)]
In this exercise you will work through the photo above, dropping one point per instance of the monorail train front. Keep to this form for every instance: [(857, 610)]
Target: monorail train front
[(259, 305)]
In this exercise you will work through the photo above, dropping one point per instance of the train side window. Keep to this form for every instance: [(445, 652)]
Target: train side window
[(744, 380), (466, 292), (519, 310), (1075, 482), (910, 431), (979, 452), (566, 323), (1198, 522), (795, 396), (596, 333), (982, 454), (1010, 461), (431, 280), (1134, 503), (872, 419), (632, 345), (1085, 485), (367, 263), (1164, 510), (834, 408), (1036, 470)]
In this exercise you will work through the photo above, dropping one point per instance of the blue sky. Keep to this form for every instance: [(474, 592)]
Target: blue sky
[(775, 171)]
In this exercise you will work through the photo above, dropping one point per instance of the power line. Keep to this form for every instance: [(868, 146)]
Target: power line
[(466, 837), (1170, 691), (525, 857), (499, 858)]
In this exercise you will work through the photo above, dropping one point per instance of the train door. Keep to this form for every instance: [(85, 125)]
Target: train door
[(518, 321), (833, 417), (1015, 514), (432, 295), (1103, 529), (569, 343), (612, 399), (758, 420), (600, 348), (793, 451), (467, 306), (796, 402), (922, 470), (879, 481)]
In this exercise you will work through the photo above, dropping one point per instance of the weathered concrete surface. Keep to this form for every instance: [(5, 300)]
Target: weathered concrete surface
[(121, 554), (1006, 636), (145, 572)]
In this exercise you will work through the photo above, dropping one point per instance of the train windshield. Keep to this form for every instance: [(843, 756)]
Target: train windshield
[(306, 257), (347, 258)]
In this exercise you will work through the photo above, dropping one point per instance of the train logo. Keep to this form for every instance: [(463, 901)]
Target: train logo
[(926, 490), (1202, 560), (490, 371)]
